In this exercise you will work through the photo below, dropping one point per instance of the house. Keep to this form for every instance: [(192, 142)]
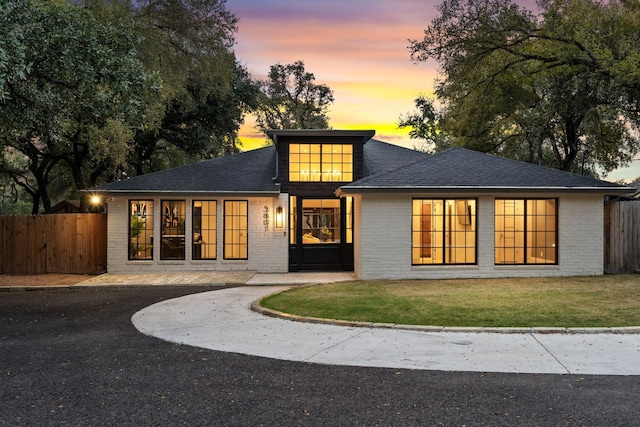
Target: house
[(341, 200), (66, 206)]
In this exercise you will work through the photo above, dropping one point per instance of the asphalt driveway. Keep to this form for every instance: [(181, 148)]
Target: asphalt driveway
[(72, 357)]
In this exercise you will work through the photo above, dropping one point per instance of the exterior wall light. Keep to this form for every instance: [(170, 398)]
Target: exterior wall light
[(96, 203), (279, 217)]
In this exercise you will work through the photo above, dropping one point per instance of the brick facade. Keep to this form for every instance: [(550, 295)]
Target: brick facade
[(268, 246), (383, 248)]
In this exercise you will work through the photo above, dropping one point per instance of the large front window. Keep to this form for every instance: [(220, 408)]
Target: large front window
[(140, 229), (443, 231), (235, 229), (526, 231), (320, 162), (173, 222)]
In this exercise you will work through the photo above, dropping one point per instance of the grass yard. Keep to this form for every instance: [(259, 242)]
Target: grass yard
[(604, 301)]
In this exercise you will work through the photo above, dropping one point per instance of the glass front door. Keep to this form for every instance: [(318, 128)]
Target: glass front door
[(321, 234)]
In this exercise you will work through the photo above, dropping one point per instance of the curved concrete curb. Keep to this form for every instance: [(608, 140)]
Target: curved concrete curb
[(255, 306), (222, 320)]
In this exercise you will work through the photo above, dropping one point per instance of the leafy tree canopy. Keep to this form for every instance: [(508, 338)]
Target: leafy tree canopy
[(547, 88), (75, 92), (93, 90), (289, 99), (205, 91)]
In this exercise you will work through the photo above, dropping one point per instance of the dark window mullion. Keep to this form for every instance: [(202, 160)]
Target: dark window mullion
[(526, 232), (444, 231)]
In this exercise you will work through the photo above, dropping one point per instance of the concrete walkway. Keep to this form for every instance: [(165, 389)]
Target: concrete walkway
[(216, 278), (222, 320)]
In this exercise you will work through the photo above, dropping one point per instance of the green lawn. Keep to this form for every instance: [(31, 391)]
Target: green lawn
[(604, 301)]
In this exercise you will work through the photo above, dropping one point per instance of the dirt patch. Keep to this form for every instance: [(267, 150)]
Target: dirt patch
[(42, 279)]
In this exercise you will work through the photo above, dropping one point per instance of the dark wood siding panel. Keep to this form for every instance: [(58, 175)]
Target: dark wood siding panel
[(283, 163)]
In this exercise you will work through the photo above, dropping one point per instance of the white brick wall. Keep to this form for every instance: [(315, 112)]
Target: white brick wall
[(384, 227), (382, 243), (268, 248)]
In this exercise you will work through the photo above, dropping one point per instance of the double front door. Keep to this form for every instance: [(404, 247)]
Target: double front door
[(321, 234)]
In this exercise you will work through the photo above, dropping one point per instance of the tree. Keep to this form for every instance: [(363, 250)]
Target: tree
[(205, 91), (93, 90), (12, 50), (289, 99), (69, 114), (545, 89), (425, 125)]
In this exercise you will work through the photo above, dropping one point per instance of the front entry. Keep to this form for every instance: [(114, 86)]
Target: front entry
[(321, 234)]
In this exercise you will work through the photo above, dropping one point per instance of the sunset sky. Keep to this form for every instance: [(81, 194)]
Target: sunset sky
[(359, 48)]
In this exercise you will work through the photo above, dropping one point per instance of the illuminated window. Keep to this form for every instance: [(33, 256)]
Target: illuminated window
[(349, 220), (173, 219), (526, 231), (140, 229), (235, 229), (320, 221), (443, 231), (320, 162), (204, 229), (293, 220)]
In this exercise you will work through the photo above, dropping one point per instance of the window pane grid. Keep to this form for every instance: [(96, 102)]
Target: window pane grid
[(235, 230), (320, 221), (204, 220), (526, 231), (320, 163), (140, 230), (172, 229), (443, 231)]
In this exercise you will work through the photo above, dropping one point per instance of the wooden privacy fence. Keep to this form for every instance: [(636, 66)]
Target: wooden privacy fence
[(622, 237), (60, 243)]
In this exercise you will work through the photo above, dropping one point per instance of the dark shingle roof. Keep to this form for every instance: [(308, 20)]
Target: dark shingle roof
[(248, 172), (457, 168), (381, 156), (387, 168)]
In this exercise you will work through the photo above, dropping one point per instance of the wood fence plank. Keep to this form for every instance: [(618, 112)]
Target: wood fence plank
[(622, 237), (60, 243)]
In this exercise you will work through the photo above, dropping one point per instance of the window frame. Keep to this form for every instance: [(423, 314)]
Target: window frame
[(197, 244), (229, 233), (148, 204), (181, 238), (473, 221), (322, 224), (526, 247), (326, 156)]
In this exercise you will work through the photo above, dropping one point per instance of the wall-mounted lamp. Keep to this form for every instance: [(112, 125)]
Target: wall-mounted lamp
[(96, 203), (279, 217)]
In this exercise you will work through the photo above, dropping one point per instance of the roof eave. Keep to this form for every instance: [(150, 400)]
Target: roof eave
[(273, 134), (187, 192), (345, 190)]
